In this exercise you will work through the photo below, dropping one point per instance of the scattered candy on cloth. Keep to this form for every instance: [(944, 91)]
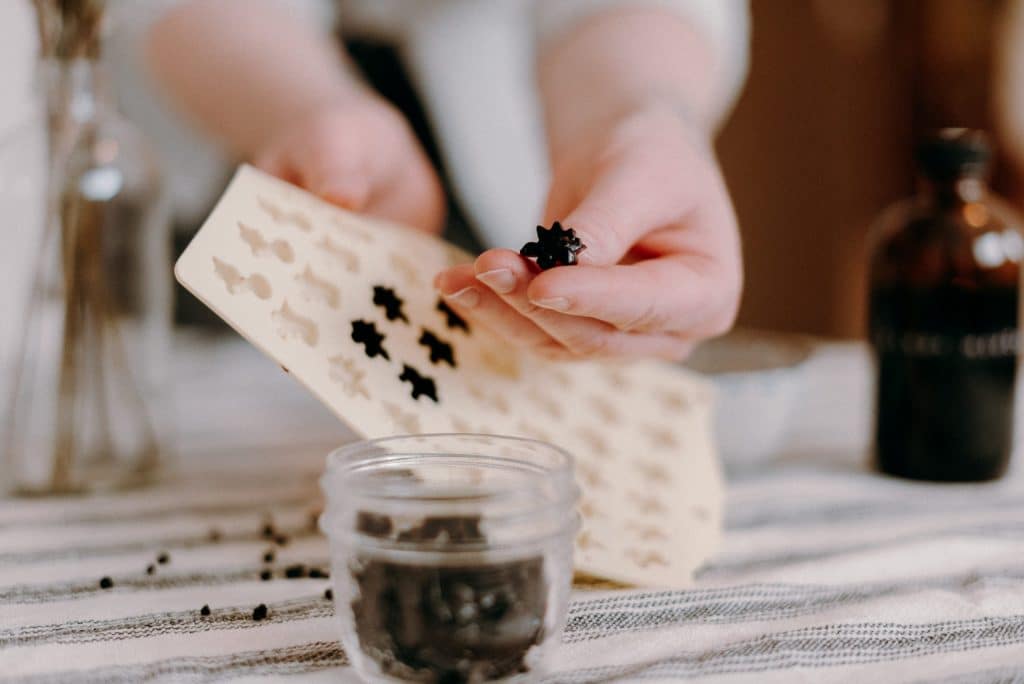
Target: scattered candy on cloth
[(828, 573)]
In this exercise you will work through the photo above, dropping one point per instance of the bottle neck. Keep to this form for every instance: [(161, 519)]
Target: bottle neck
[(75, 95), (953, 192), (75, 90)]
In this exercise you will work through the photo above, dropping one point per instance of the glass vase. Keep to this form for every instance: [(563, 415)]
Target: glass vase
[(86, 364)]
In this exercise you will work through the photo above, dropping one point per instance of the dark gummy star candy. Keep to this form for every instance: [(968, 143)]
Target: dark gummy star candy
[(259, 612), (453, 320), (555, 246), (386, 298), (365, 333), (448, 528), (106, 583), (422, 386), (205, 610), (439, 349), (372, 524)]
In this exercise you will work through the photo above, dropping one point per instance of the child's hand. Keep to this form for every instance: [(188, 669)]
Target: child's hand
[(362, 155), (662, 267)]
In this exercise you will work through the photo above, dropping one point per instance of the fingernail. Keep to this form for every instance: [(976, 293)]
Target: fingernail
[(500, 280), (553, 303), (467, 297)]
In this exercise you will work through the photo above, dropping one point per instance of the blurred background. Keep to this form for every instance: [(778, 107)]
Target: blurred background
[(819, 142), (821, 139)]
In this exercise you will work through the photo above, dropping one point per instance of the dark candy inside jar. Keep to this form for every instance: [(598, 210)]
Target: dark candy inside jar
[(452, 555)]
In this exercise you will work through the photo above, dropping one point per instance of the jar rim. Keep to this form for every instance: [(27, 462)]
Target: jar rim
[(525, 484), (348, 456)]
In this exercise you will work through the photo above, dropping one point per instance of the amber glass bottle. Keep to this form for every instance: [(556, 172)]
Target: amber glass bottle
[(943, 309)]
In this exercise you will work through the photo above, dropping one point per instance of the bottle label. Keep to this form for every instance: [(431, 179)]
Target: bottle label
[(994, 345), (947, 362)]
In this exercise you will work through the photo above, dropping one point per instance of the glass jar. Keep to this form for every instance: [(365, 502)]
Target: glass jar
[(86, 360), (451, 555), (944, 317)]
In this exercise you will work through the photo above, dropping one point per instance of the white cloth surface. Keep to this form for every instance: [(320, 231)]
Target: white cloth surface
[(829, 573)]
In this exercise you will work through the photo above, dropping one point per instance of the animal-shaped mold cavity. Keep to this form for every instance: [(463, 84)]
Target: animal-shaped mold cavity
[(653, 472), (317, 289), (661, 437), (646, 559), (293, 325), (585, 541), (700, 513), (591, 476), (231, 276), (532, 431), (404, 421), (501, 363), (346, 373), (285, 216), (672, 400), (259, 286), (545, 403), (597, 444), (558, 377), (646, 531), (461, 425), (491, 400), (647, 503), (345, 258), (605, 410), (616, 378), (589, 509), (261, 247), (406, 269), (350, 229), (236, 282)]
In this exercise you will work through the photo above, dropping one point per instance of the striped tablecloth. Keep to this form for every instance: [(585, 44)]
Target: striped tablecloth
[(828, 573)]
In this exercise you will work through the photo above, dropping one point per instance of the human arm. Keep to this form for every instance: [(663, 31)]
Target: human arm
[(278, 92), (629, 99)]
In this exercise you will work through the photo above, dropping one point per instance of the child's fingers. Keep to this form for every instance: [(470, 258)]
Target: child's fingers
[(475, 302)]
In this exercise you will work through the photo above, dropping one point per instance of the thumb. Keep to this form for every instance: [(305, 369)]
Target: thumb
[(342, 184), (617, 208)]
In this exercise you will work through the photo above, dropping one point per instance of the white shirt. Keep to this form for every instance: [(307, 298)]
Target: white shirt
[(483, 110)]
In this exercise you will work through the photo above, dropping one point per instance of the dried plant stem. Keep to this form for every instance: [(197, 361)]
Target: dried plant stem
[(95, 385), (92, 342)]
